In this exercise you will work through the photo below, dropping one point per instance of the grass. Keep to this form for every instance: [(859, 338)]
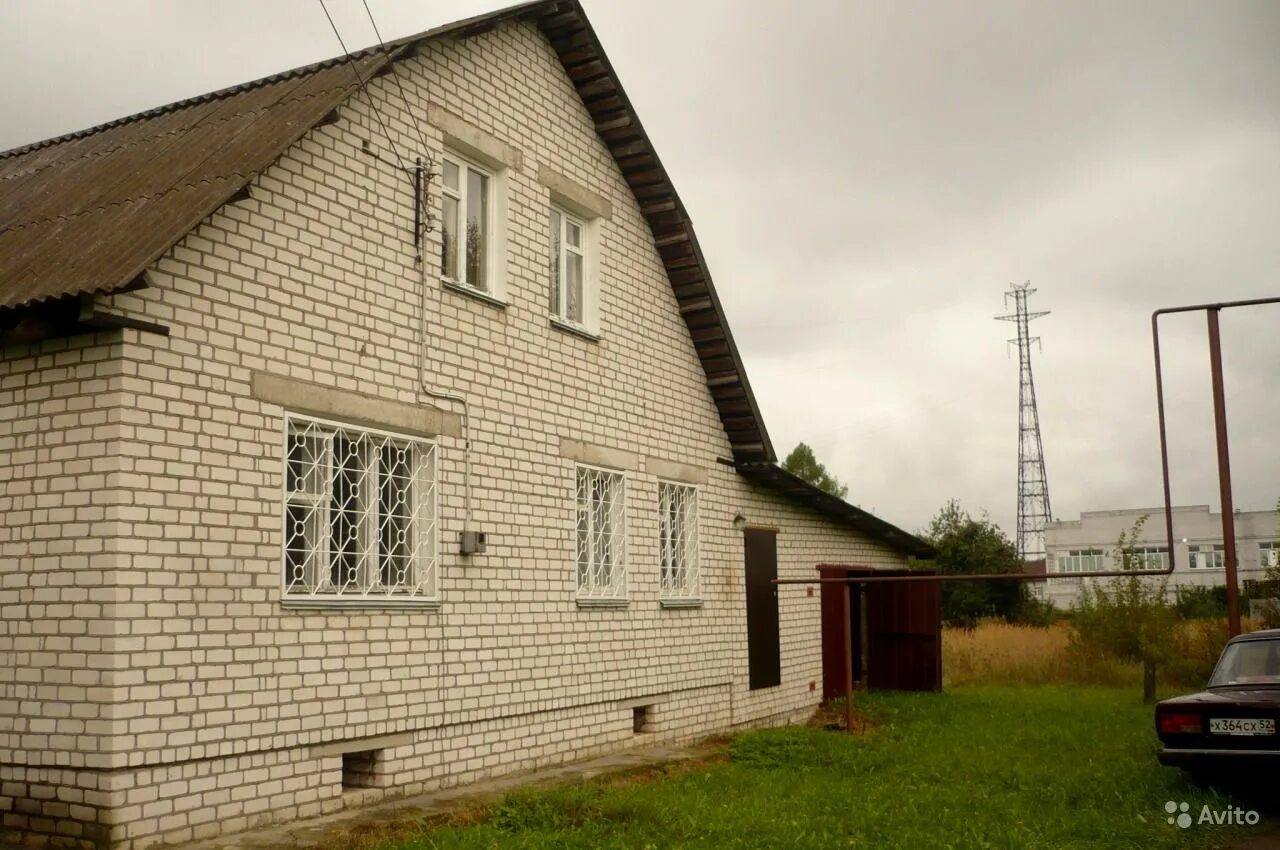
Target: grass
[(981, 767), (998, 653)]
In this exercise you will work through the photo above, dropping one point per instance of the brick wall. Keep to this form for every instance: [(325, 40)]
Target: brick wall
[(222, 695)]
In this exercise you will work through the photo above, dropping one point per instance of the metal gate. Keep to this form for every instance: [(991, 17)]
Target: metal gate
[(896, 633)]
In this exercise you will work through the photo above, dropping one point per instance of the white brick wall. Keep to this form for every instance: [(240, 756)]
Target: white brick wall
[(214, 693)]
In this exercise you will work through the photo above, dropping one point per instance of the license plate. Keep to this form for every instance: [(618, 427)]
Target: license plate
[(1231, 726)]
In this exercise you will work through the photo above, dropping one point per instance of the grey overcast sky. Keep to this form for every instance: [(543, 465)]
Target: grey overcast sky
[(866, 180)]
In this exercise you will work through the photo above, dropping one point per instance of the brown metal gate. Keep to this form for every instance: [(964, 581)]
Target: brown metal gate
[(897, 633)]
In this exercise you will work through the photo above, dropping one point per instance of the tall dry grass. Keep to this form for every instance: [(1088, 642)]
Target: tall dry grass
[(998, 653)]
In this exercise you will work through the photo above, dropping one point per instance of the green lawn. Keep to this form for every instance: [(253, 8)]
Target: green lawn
[(979, 767)]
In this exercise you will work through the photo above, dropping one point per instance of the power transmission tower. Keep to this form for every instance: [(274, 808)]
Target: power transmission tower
[(1033, 484)]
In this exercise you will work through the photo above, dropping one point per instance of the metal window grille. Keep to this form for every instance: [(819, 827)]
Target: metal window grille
[(601, 499), (359, 515), (678, 540), (1269, 555)]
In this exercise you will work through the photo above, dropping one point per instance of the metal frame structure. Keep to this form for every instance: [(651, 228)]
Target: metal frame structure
[(1033, 482)]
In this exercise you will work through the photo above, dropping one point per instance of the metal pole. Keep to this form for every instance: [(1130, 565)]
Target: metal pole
[(848, 660), (1224, 473)]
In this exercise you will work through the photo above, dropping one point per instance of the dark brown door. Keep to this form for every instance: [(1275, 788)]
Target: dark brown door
[(764, 655)]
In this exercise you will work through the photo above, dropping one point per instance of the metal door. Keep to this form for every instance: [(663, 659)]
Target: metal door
[(764, 654)]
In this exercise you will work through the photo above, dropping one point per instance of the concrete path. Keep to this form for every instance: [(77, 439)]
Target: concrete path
[(314, 832)]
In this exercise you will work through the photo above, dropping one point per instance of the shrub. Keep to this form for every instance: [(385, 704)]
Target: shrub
[(1198, 603), (1039, 613)]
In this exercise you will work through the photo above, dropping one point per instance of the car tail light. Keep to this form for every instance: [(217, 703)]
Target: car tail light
[(1178, 723)]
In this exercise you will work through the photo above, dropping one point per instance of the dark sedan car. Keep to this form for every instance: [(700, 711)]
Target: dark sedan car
[(1233, 721)]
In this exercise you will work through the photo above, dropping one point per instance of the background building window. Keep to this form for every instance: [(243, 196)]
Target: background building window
[(1269, 555), (359, 516), (1208, 557), (678, 540), (1149, 558), (601, 500), (1081, 561), (465, 222)]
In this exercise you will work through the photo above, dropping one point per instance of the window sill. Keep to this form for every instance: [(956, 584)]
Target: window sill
[(364, 604), (576, 330), (472, 292), (602, 603), (681, 603)]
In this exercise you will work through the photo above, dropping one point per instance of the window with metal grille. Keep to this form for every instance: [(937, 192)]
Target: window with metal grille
[(678, 540), (601, 501), (359, 515), (1269, 554)]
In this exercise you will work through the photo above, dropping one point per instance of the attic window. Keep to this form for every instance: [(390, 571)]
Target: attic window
[(466, 223)]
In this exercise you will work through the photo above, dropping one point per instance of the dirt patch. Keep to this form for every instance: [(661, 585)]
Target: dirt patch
[(830, 716)]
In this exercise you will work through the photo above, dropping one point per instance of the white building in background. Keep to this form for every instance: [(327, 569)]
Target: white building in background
[(1089, 543)]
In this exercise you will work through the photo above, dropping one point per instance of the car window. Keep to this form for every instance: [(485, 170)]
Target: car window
[(1251, 662)]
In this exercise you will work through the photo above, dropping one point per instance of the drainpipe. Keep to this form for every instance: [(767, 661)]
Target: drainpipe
[(436, 392)]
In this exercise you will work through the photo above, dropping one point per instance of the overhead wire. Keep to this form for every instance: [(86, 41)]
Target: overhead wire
[(364, 88), (399, 85)]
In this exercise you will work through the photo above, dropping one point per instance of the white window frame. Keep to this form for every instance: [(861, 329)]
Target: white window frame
[(493, 284), (1150, 557), (589, 228), (679, 558), (592, 590), (1080, 561), (1217, 557), (1268, 554), (312, 586)]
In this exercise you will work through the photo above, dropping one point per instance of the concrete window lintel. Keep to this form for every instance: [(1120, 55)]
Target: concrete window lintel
[(357, 408)]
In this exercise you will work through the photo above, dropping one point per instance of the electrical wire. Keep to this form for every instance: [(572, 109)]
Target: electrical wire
[(404, 97), (376, 112)]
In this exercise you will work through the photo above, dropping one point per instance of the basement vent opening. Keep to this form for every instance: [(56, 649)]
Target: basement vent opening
[(640, 719), (360, 770)]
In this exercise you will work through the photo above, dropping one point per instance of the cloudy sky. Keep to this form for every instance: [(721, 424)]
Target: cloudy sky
[(866, 180)]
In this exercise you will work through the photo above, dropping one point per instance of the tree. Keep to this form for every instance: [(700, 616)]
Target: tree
[(967, 546), (802, 464)]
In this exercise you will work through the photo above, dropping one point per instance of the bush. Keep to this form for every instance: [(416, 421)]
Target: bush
[(1199, 603), (1040, 613)]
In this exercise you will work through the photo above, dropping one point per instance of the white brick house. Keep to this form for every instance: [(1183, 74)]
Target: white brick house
[(248, 411)]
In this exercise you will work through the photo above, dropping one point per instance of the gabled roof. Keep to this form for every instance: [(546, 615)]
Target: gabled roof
[(88, 212), (798, 490)]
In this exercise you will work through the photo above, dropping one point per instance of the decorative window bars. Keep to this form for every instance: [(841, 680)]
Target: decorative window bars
[(359, 515), (678, 540), (601, 500)]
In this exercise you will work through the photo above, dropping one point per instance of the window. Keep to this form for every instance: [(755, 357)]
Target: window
[(465, 223), (1148, 558), (1269, 554), (1209, 557), (359, 515), (568, 267), (1081, 561), (678, 540), (601, 535)]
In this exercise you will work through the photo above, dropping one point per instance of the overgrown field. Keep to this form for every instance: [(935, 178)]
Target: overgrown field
[(1050, 767), (998, 653)]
